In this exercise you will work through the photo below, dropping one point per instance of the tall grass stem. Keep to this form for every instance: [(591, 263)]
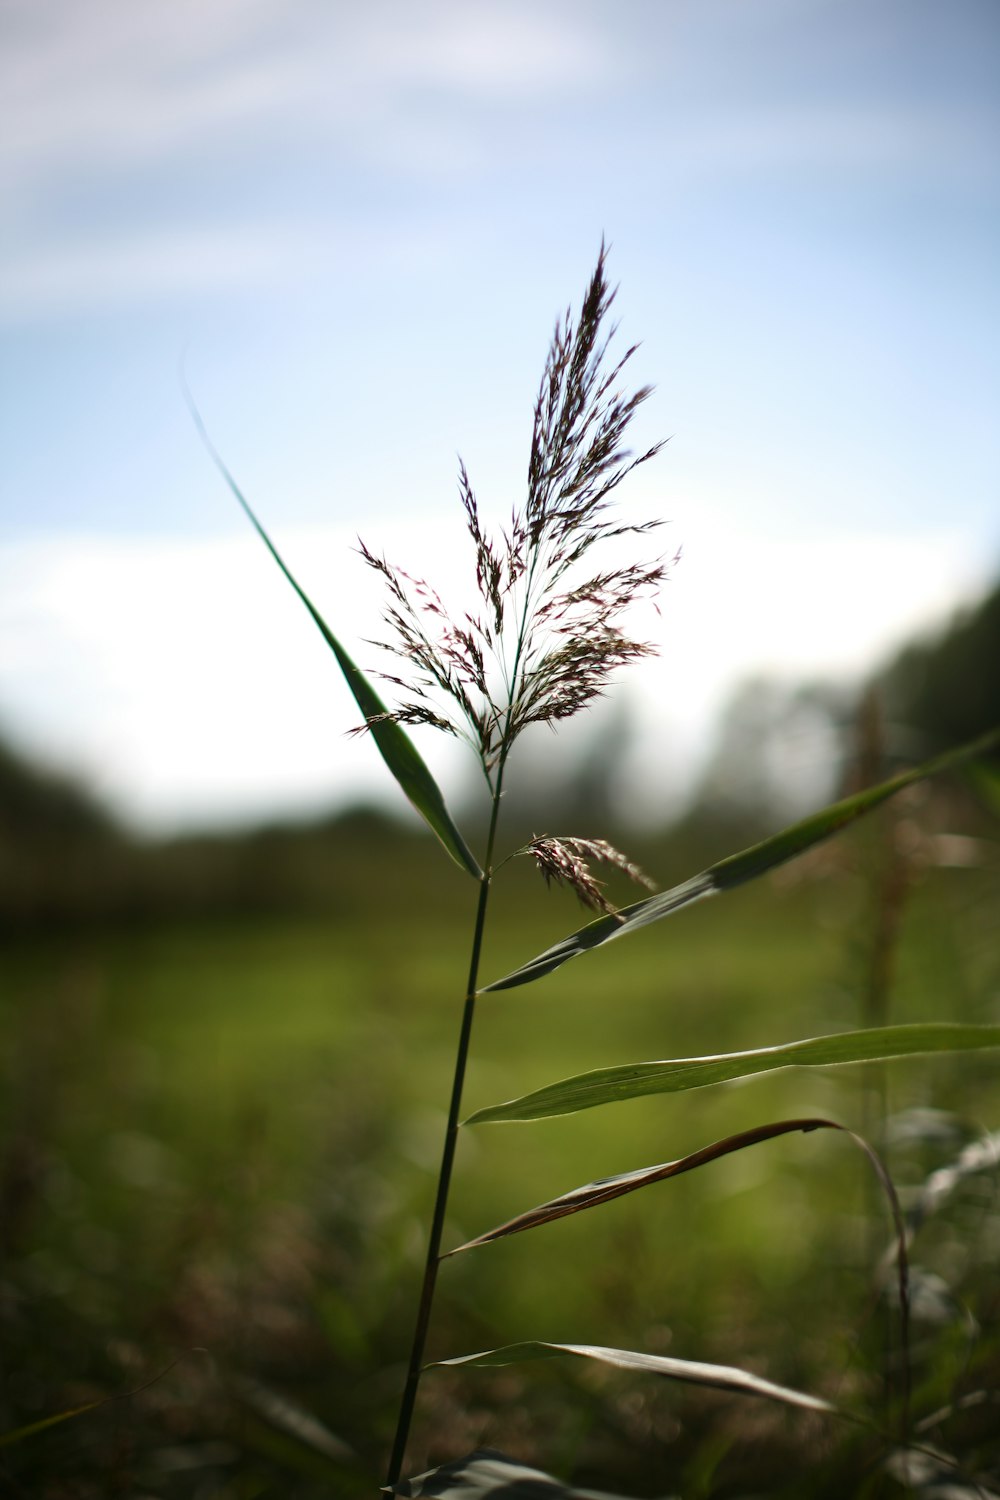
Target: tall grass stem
[(433, 1261)]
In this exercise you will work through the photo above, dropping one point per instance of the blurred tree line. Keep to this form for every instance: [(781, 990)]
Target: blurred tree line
[(946, 689), (65, 859), (781, 749)]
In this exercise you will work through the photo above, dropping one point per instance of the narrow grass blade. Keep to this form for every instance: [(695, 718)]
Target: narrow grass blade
[(289, 1417), (738, 868), (487, 1473), (967, 1402), (934, 1474), (395, 746), (18, 1434), (607, 1188), (675, 1075), (720, 1377), (986, 782)]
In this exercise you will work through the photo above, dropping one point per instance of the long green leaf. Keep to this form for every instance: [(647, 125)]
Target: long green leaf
[(395, 746), (738, 868), (720, 1377), (675, 1075)]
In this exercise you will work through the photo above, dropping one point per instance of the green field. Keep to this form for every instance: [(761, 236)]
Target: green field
[(220, 1143)]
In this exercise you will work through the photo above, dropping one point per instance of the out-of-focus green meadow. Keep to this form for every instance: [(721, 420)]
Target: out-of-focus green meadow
[(221, 1138)]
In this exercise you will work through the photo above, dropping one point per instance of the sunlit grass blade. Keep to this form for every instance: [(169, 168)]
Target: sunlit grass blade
[(605, 1189), (694, 1372), (394, 744), (487, 1473), (739, 868), (675, 1075)]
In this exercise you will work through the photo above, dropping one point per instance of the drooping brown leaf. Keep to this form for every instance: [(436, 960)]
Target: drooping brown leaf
[(605, 1189)]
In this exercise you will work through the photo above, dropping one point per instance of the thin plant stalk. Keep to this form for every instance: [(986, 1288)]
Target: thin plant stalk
[(433, 1261), (562, 627), (886, 888)]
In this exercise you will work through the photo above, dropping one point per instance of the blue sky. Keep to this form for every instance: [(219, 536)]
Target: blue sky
[(360, 222)]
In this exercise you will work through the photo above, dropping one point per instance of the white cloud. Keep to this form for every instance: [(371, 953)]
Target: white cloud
[(185, 681), (107, 269), (144, 146), (114, 84), (502, 51), (133, 132), (867, 140)]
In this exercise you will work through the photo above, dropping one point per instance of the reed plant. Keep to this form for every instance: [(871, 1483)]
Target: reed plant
[(549, 635)]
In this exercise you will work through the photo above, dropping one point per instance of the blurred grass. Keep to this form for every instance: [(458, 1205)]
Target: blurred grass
[(221, 1136)]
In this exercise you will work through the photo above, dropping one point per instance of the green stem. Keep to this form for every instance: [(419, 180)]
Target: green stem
[(429, 1284), (447, 1158)]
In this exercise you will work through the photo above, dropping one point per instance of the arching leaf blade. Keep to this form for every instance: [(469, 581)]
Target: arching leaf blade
[(606, 1189), (794, 840), (394, 744), (739, 868), (628, 919), (694, 1372), (676, 1075)]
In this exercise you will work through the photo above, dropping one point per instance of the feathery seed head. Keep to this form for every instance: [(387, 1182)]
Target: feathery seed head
[(564, 861), (548, 640)]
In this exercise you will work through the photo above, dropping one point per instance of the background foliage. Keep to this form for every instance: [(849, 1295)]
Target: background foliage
[(217, 1153)]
